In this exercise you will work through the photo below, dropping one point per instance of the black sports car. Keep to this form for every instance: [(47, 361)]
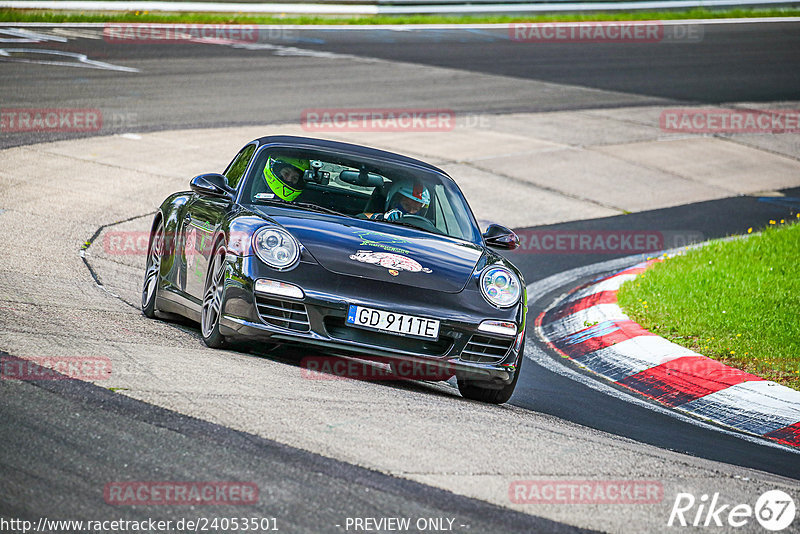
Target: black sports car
[(351, 250)]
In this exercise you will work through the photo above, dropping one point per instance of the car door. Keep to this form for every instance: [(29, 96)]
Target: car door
[(201, 218)]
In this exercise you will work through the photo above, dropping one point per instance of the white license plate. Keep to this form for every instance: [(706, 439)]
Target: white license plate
[(393, 323)]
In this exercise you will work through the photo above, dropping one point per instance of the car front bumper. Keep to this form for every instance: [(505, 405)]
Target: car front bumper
[(318, 320)]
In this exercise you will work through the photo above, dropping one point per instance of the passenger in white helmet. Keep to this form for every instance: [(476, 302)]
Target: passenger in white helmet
[(405, 199)]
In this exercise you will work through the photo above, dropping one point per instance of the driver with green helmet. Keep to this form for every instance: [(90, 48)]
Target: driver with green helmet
[(284, 176)]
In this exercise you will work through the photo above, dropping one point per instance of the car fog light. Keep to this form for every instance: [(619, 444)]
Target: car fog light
[(273, 287), (504, 328)]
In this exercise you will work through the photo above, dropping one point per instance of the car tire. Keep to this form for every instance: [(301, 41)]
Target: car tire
[(152, 272), (213, 298), (474, 391)]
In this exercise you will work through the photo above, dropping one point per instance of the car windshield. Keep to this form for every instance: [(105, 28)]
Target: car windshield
[(360, 187)]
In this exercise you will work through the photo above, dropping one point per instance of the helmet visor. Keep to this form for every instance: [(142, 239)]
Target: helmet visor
[(411, 199), (286, 172)]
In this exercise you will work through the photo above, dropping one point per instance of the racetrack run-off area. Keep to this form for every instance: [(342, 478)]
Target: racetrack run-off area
[(544, 155), (589, 327)]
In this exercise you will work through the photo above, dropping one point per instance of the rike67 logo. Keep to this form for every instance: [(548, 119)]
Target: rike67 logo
[(774, 510)]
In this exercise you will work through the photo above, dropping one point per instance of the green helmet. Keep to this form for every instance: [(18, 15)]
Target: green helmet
[(274, 174)]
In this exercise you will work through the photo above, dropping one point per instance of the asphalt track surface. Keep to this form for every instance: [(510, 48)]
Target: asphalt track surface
[(712, 64), (542, 390), (206, 85), (85, 422), (267, 82)]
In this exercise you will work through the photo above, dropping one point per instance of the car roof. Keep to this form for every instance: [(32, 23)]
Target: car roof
[(347, 148)]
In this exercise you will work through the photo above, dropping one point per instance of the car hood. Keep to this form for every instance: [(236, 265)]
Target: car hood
[(367, 249)]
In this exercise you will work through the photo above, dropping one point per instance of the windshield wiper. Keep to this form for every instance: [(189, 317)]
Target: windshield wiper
[(433, 230), (304, 205), (315, 207)]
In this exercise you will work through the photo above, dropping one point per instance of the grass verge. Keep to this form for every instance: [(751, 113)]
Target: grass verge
[(735, 301), (27, 15)]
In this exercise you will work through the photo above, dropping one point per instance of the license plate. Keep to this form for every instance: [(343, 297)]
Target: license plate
[(393, 323)]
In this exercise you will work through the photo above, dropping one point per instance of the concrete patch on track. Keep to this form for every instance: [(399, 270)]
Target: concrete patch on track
[(55, 196)]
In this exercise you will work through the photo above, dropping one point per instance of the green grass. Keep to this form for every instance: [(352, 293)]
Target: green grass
[(27, 15), (735, 301)]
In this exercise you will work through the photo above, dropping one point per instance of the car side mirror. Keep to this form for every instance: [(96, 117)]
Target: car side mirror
[(497, 236), (211, 184)]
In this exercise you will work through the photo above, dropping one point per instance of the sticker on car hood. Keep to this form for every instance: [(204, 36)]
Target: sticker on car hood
[(393, 262), (387, 242)]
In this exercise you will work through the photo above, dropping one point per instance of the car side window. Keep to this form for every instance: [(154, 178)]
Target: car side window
[(445, 217), (237, 167)]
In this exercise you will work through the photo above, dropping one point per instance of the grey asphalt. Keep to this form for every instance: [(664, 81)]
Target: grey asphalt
[(708, 63), (541, 390), (204, 85), (64, 440), (207, 86), (267, 82)]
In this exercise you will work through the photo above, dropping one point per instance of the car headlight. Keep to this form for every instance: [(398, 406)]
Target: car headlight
[(276, 247), (500, 286)]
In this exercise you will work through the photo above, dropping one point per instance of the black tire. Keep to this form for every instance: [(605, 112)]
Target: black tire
[(152, 272), (212, 298), (474, 391)]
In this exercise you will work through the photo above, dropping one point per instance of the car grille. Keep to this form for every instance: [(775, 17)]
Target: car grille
[(430, 347), (485, 349), (283, 313)]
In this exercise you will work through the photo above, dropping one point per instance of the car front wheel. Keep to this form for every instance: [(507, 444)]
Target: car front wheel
[(475, 391)]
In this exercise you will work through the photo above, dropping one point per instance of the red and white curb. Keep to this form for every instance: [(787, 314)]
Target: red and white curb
[(589, 327)]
